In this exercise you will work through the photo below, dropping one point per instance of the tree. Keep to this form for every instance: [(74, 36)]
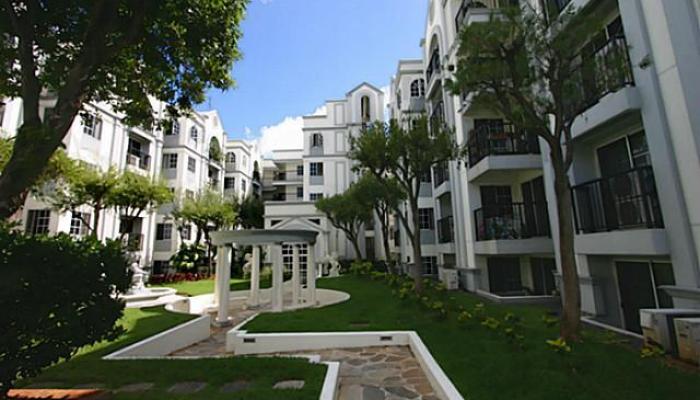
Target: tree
[(384, 198), (531, 71), (346, 212), (251, 213), (135, 194), (85, 186), (208, 211), (56, 294), (404, 153), (123, 51)]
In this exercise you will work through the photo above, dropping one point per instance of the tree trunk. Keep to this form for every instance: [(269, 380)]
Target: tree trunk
[(356, 247), (97, 210), (417, 270), (571, 296), (31, 152)]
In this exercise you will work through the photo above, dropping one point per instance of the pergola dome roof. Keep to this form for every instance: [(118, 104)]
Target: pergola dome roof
[(253, 237)]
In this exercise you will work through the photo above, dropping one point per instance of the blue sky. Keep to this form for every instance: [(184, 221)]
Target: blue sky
[(298, 53)]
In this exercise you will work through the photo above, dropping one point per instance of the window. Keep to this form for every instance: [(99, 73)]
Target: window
[(229, 183), (78, 224), (317, 140), (316, 169), (300, 170), (300, 193), (398, 99), (365, 108), (194, 133), (170, 161), (418, 88), (244, 185), (2, 112), (315, 196), (187, 232), (426, 219), (191, 164), (288, 256), (174, 128), (189, 194), (92, 125), (160, 267), (430, 265), (231, 158), (38, 221), (164, 232)]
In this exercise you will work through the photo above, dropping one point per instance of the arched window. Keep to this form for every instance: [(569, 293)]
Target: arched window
[(316, 140), (418, 88), (194, 133), (231, 158), (364, 106), (175, 128)]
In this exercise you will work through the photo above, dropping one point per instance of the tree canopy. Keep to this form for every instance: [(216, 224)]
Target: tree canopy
[(348, 212), (127, 52), (404, 152)]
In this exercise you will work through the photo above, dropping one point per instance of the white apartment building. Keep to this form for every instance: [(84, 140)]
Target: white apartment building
[(242, 176), (295, 179), (185, 156), (634, 176)]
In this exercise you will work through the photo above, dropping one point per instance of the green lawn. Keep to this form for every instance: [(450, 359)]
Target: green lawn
[(195, 288), (481, 363), (87, 367)]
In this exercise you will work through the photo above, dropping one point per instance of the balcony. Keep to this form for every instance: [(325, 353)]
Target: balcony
[(138, 159), (446, 230), (605, 71), (506, 140), (621, 202), (433, 65), (470, 7), (442, 174), (512, 221)]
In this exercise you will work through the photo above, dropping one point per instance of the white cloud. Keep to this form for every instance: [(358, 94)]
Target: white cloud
[(248, 133), (321, 110), (284, 135)]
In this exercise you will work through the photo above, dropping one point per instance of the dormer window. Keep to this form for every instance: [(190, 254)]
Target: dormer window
[(316, 140), (174, 128), (418, 88), (231, 158), (365, 108), (194, 133)]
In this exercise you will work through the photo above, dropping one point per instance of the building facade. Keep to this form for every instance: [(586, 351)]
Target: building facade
[(189, 156), (295, 179)]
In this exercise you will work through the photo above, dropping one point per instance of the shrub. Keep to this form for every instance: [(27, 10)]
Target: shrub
[(651, 351), (56, 295), (189, 257), (559, 346), (361, 268)]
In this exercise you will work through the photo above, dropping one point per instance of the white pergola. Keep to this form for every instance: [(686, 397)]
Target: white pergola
[(274, 239)]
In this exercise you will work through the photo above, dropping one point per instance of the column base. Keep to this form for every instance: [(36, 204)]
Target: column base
[(222, 324)]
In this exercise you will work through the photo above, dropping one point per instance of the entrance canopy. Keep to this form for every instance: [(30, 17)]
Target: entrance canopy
[(223, 240)]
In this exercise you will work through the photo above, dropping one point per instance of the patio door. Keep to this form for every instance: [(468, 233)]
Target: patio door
[(535, 207), (639, 282), (504, 276)]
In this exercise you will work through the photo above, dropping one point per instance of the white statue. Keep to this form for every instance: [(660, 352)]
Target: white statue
[(248, 266), (138, 278), (335, 265)]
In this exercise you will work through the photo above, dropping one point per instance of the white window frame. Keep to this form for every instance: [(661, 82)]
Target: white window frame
[(167, 231), (426, 217), (170, 160), (192, 164), (92, 125), (316, 169), (77, 223), (317, 140), (38, 221)]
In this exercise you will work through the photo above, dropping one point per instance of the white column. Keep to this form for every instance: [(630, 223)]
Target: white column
[(254, 299), (311, 276), (223, 276), (277, 278), (296, 279)]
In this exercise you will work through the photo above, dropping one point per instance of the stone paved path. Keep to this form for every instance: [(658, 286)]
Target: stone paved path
[(379, 373)]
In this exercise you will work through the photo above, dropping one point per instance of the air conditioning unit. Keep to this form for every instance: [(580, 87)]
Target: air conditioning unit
[(658, 328), (688, 338)]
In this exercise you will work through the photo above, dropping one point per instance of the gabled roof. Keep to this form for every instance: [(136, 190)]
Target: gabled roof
[(364, 84)]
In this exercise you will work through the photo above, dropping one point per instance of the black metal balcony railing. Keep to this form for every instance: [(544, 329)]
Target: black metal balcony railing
[(605, 71), (446, 229), (433, 65), (489, 140), (279, 197), (138, 159), (624, 201), (437, 117), (512, 221), (442, 174)]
